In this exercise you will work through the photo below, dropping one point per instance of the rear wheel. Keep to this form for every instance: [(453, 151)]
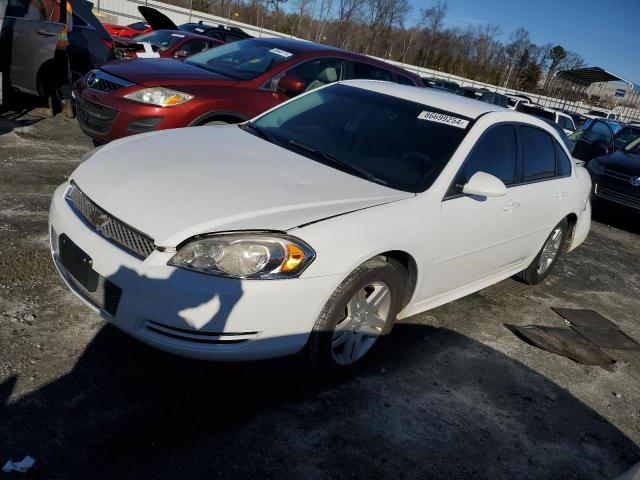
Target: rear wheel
[(540, 267), (358, 313)]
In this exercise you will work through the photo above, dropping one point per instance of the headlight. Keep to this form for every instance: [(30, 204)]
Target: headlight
[(253, 255), (596, 166), (160, 96)]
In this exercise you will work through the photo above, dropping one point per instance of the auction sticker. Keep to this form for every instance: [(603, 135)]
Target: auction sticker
[(282, 53), (442, 118)]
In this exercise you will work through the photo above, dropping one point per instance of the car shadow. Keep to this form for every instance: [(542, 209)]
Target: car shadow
[(429, 403), (616, 217), (20, 110)]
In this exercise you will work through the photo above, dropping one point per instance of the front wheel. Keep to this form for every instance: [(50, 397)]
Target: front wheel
[(540, 267), (360, 310)]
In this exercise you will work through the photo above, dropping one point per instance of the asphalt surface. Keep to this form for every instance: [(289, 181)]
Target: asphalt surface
[(451, 393)]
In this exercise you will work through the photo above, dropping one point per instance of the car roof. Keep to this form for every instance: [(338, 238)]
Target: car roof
[(446, 101)]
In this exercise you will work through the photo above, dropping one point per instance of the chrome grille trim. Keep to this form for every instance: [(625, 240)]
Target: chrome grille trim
[(109, 227), (618, 175)]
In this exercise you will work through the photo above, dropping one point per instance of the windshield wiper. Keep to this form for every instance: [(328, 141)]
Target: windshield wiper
[(261, 132), (336, 161)]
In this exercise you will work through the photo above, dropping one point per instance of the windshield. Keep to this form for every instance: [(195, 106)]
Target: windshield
[(163, 39), (634, 147), (244, 60), (627, 135), (395, 142)]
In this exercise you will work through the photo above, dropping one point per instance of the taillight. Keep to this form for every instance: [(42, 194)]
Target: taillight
[(108, 42)]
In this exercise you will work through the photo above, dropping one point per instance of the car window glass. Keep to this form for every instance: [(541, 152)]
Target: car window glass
[(365, 71), (194, 46), (563, 161), (233, 37), (163, 39), (564, 122), (598, 132), (538, 154), (402, 80), (385, 136), (495, 154), (317, 73), (627, 135), (214, 34), (36, 11)]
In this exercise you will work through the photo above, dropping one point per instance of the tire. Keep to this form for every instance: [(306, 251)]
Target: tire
[(213, 122), (544, 262), (330, 350)]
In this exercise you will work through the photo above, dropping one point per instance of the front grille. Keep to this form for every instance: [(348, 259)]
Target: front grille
[(95, 117), (617, 175), (196, 336), (104, 82), (632, 201), (111, 228)]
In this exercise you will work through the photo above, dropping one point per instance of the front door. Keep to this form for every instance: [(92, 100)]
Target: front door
[(474, 231)]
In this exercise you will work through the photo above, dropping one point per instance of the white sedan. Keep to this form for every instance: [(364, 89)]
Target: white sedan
[(316, 226)]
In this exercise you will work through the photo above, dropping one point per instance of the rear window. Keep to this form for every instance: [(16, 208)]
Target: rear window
[(400, 144), (243, 60)]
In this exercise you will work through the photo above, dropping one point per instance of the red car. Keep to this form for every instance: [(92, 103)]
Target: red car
[(132, 30), (227, 84), (163, 43)]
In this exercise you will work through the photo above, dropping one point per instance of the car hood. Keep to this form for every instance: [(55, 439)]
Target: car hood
[(175, 184), (157, 20), (153, 72), (623, 162)]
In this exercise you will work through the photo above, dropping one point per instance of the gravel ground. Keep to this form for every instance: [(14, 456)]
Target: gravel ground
[(449, 394)]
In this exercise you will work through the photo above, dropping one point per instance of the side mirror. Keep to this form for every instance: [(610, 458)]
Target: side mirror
[(290, 85), (180, 54), (485, 185)]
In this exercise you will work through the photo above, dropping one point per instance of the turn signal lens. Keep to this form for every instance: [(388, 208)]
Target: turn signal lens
[(295, 256)]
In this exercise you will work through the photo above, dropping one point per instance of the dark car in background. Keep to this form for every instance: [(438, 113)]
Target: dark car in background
[(159, 21), (600, 138), (227, 84), (28, 42), (164, 44), (440, 84), (616, 178)]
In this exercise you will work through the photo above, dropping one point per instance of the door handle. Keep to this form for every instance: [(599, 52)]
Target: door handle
[(560, 195), (46, 33), (510, 206)]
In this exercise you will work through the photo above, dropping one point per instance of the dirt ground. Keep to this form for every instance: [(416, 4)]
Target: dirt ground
[(449, 394)]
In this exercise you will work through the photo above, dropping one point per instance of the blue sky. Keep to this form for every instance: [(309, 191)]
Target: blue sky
[(606, 33)]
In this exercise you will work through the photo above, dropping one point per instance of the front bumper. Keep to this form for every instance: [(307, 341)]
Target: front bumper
[(191, 314)]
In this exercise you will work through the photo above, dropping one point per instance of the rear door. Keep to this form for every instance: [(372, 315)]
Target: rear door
[(31, 30), (542, 192)]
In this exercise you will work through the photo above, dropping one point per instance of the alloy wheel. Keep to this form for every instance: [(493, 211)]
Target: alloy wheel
[(550, 250)]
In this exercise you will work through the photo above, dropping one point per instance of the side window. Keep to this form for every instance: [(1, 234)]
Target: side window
[(402, 80), (495, 153), (598, 132), (194, 46), (365, 71), (564, 122), (317, 73), (35, 11), (538, 154), (563, 162)]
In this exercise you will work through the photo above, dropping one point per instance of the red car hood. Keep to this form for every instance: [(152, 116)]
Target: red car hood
[(153, 72)]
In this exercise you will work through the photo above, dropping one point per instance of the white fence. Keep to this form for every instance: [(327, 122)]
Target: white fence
[(126, 11)]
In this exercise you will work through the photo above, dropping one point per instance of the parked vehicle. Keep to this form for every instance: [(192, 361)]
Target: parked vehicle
[(28, 42), (164, 44), (578, 118), (469, 92), (495, 98), (159, 21), (616, 178), (317, 224), (615, 125), (227, 84), (513, 102), (596, 140), (439, 83), (129, 31), (625, 136), (609, 115), (562, 119)]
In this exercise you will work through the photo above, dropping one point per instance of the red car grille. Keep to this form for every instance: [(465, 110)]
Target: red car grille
[(95, 117)]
